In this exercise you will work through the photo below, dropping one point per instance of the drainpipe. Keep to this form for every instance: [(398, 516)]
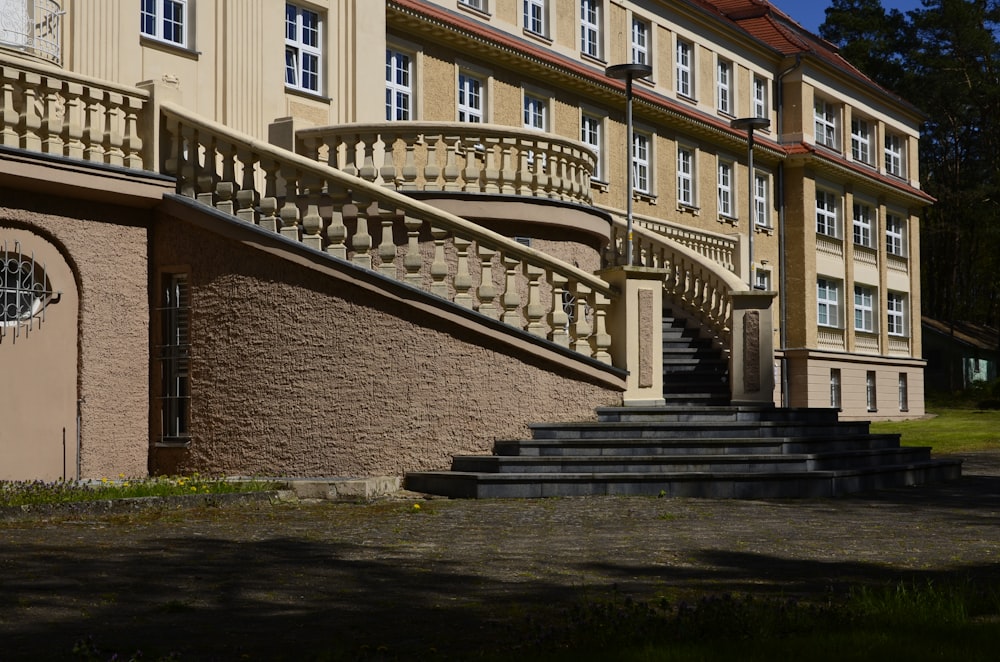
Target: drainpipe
[(782, 263)]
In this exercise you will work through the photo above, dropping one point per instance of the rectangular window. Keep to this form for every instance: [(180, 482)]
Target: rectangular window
[(534, 113), (303, 54), (534, 16), (759, 97), (685, 177), (863, 225), (590, 134), (640, 162), (725, 182), (683, 69), (398, 88), (894, 244), (640, 41), (894, 155), (590, 28), (475, 4), (724, 87), (825, 118), (864, 309), (835, 388), (470, 99), (174, 354), (762, 279), (165, 20), (896, 315), (904, 393), (826, 213), (860, 141), (760, 200), (870, 391), (827, 303)]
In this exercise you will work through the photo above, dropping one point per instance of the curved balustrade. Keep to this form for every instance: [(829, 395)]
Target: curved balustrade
[(32, 27), (718, 248), (699, 286), (460, 157), (45, 109), (331, 210)]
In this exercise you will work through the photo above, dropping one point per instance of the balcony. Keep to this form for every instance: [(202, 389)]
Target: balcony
[(33, 27)]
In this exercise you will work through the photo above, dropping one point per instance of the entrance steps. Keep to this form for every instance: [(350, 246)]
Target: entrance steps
[(694, 371), (717, 452)]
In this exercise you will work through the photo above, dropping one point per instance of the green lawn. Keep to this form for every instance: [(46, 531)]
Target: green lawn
[(949, 430)]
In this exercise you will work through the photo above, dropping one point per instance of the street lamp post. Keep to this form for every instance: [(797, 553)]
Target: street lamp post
[(749, 124), (628, 72)]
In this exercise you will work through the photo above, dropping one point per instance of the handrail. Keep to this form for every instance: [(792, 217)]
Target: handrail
[(330, 210)]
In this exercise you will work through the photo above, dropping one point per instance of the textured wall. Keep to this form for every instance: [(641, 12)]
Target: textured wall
[(294, 372)]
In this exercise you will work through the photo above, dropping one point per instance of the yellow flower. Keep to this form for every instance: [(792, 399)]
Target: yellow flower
[(104, 480), (121, 476), (194, 489), (416, 506)]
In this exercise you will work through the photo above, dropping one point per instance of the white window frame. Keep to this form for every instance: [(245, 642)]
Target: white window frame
[(861, 140), (304, 45), (724, 86), (590, 28), (726, 187), (471, 98), (835, 388), (871, 390), (904, 392), (158, 21), (592, 135), (684, 68), (685, 176), (864, 308), (642, 159), (640, 41), (762, 279), (478, 5), (761, 200), (827, 218), (759, 96), (827, 303), (826, 119), (863, 223), (895, 308), (895, 235), (535, 17), (398, 85), (535, 112), (894, 155)]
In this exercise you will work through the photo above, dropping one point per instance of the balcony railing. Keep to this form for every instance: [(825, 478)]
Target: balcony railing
[(33, 27), (455, 157)]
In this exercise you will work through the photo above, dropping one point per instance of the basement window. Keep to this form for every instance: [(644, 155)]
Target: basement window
[(24, 291), (174, 356)]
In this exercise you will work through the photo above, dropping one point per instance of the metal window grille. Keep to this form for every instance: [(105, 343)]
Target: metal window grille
[(33, 26), (25, 292), (174, 353)]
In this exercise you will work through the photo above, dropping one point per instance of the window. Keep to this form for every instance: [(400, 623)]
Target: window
[(470, 99), (894, 155), (165, 20), (904, 393), (174, 357), (398, 88), (863, 225), (870, 390), (725, 181), (825, 116), (826, 213), (860, 141), (640, 41), (894, 235), (534, 112), (760, 200), (685, 177), (683, 65), (827, 302), (590, 28), (590, 134), (896, 316), (864, 309), (835, 388), (475, 4), (303, 55), (762, 279), (759, 97), (24, 290), (640, 163), (724, 87), (534, 16)]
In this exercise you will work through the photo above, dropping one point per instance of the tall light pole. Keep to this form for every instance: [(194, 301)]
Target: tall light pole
[(628, 72), (749, 124)]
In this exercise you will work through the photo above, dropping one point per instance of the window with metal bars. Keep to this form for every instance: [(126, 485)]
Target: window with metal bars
[(174, 355)]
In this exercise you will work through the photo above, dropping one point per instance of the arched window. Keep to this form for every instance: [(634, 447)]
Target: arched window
[(24, 291)]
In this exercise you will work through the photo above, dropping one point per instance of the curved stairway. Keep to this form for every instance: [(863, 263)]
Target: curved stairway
[(717, 452), (694, 371)]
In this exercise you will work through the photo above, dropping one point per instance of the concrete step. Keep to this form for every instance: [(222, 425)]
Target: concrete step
[(695, 429), (707, 414)]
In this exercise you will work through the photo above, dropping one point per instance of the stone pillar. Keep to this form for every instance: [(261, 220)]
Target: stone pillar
[(751, 361), (151, 127), (636, 325)]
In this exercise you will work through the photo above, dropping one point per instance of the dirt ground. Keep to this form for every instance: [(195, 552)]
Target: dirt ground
[(411, 578)]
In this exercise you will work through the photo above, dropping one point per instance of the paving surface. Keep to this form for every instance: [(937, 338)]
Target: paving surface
[(389, 580)]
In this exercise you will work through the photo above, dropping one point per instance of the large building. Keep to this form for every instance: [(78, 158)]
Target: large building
[(237, 240)]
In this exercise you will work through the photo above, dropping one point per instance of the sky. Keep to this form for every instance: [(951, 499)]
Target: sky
[(810, 13)]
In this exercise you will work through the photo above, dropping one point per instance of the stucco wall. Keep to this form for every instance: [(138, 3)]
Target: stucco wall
[(296, 372), (106, 249)]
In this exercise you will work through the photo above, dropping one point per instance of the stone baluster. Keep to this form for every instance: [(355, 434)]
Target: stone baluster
[(473, 169), (579, 328), (171, 150), (543, 167), (30, 121), (308, 146), (511, 299), (269, 203), (487, 291), (350, 144), (413, 261), (463, 279), (409, 171), (54, 117), (534, 311), (246, 196), (10, 113), (508, 170), (387, 247), (558, 319), (439, 267), (525, 177), (187, 156), (451, 172), (368, 170), (225, 188), (432, 169), (491, 169), (289, 215), (600, 339), (94, 150), (332, 151), (387, 173), (361, 242), (312, 222), (132, 143), (73, 122), (206, 177), (112, 138), (336, 231)]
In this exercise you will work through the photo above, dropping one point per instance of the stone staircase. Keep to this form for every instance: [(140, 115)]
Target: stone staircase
[(717, 452), (694, 371)]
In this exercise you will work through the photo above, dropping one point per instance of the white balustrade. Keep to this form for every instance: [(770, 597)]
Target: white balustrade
[(718, 248)]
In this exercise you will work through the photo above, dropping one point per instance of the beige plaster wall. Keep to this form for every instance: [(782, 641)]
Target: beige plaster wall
[(295, 372)]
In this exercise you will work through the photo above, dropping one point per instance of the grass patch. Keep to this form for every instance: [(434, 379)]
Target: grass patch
[(38, 493), (951, 430)]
